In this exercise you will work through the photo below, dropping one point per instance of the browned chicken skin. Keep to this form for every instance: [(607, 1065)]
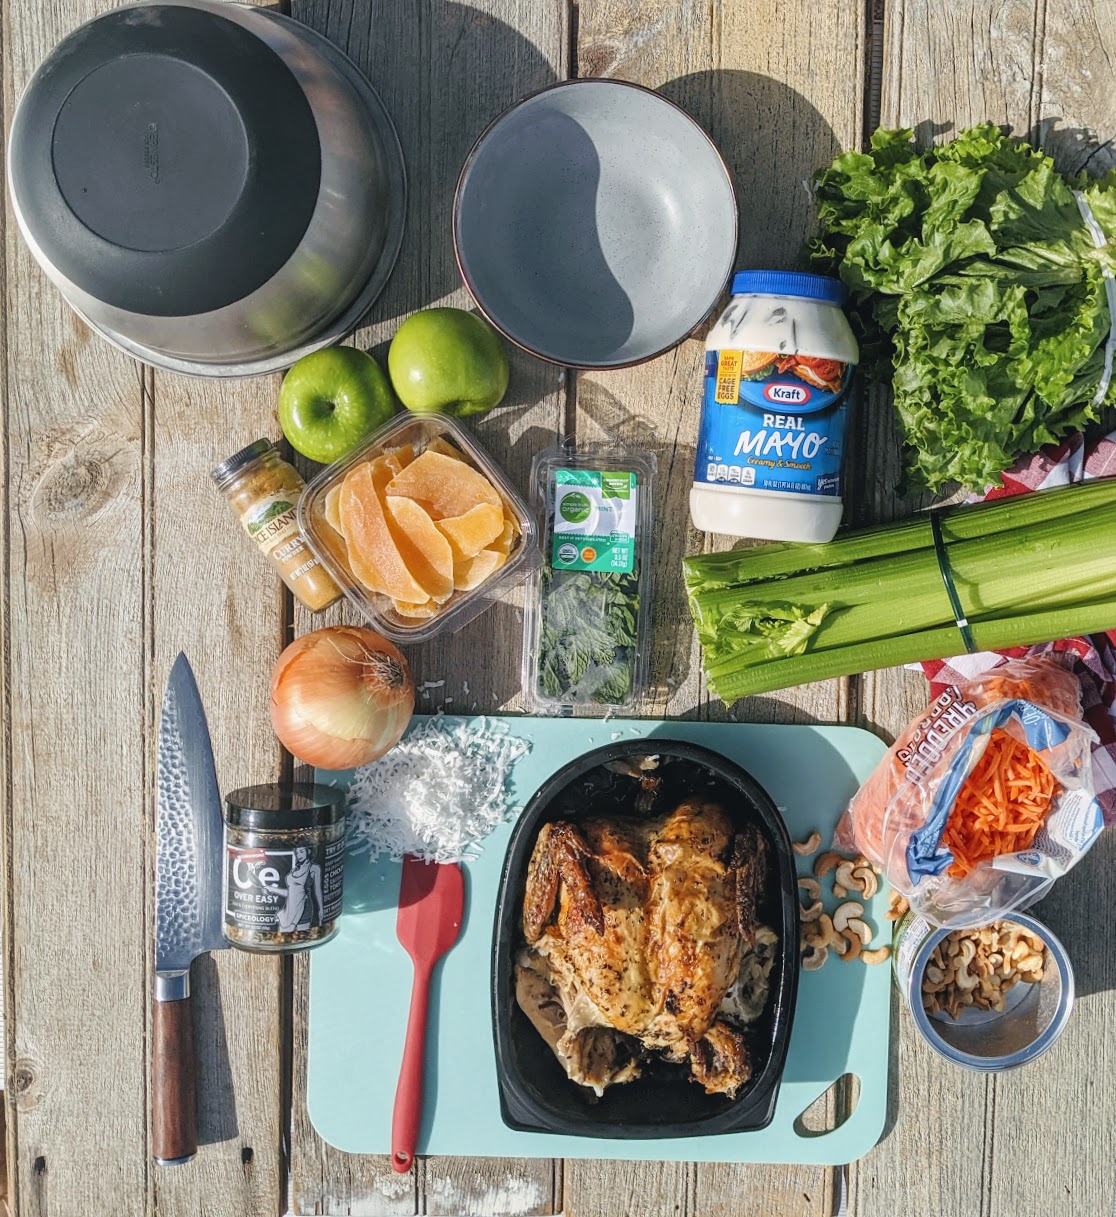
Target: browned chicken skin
[(638, 925)]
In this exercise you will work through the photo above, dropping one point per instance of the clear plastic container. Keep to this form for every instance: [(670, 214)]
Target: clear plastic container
[(462, 606), (586, 618), (770, 452)]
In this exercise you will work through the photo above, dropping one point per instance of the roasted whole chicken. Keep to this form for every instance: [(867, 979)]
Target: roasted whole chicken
[(635, 931)]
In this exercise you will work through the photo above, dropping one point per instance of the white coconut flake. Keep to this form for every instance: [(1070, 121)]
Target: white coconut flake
[(437, 793)]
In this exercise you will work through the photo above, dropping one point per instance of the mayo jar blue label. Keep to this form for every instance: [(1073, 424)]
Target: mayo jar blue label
[(773, 422)]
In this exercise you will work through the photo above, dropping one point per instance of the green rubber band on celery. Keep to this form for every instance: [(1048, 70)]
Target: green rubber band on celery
[(947, 578)]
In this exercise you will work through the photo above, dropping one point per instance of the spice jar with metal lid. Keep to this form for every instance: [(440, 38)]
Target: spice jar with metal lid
[(264, 490), (284, 865)]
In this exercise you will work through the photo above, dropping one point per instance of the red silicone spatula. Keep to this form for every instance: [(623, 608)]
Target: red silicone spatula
[(431, 903)]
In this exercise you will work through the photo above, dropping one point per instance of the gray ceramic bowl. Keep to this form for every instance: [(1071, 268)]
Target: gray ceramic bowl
[(595, 224)]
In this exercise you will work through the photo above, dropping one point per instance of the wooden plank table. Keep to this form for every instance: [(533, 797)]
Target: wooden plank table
[(118, 553)]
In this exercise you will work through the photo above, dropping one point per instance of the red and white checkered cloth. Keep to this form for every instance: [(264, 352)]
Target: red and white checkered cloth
[(1094, 655)]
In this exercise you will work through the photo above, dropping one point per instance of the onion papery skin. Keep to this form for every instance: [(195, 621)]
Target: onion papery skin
[(341, 697)]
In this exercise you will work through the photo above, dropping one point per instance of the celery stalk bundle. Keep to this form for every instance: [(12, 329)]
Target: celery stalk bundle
[(1027, 570)]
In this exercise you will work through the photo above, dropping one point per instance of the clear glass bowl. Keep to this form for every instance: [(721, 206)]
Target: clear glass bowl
[(462, 606)]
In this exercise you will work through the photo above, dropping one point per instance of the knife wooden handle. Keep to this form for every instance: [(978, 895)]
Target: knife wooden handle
[(174, 1102)]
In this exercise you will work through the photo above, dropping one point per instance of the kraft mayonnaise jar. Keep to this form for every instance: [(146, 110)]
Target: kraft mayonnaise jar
[(771, 446)]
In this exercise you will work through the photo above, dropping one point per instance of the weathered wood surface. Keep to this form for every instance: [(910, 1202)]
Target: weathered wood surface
[(120, 555), (113, 538)]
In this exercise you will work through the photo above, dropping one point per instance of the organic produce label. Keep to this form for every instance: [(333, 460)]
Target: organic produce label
[(773, 422), (595, 516), (273, 520), (280, 891)]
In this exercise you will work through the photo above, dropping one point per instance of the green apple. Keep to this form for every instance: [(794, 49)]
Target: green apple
[(333, 399), (447, 361)]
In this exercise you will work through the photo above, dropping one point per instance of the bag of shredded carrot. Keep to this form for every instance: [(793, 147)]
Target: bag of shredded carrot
[(985, 799)]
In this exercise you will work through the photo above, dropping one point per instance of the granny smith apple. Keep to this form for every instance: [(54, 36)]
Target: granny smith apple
[(447, 361), (333, 399)]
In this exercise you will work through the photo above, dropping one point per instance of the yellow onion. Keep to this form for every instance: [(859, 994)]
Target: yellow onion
[(341, 697)]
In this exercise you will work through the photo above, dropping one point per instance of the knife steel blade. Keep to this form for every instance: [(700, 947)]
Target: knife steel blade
[(188, 913), (188, 834)]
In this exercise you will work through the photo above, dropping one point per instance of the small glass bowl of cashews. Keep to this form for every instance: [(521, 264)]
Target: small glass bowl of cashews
[(843, 884)]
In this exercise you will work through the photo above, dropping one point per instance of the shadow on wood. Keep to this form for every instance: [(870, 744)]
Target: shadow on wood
[(410, 53), (216, 1094)]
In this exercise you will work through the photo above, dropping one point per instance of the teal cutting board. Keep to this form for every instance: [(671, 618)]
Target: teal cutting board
[(360, 982)]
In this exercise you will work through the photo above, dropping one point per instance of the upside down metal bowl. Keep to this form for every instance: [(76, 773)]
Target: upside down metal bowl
[(213, 187), (535, 1093)]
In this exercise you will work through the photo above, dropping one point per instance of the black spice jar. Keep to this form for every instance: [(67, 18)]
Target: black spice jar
[(284, 865)]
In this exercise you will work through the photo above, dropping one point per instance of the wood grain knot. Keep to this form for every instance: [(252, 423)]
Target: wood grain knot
[(27, 1084), (597, 59), (83, 480)]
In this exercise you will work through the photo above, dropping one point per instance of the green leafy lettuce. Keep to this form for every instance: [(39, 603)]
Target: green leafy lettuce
[(976, 288)]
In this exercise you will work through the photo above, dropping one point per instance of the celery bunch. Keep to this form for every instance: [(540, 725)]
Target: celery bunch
[(1027, 570)]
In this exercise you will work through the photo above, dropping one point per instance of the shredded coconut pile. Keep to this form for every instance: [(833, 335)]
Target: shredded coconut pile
[(437, 793)]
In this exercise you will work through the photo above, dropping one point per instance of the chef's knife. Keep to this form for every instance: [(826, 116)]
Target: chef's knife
[(188, 844)]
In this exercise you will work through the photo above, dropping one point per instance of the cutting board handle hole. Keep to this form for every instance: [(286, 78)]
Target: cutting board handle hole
[(830, 1109)]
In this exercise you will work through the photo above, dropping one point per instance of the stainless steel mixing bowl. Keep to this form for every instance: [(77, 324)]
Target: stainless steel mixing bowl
[(213, 187)]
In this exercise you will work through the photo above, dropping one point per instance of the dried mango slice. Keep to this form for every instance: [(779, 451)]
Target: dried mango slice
[(470, 533), (443, 485), (473, 572), (504, 542), (332, 511), (404, 609), (374, 556), (424, 549), (437, 444)]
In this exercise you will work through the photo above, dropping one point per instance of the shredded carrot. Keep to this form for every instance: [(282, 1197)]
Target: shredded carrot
[(1002, 805)]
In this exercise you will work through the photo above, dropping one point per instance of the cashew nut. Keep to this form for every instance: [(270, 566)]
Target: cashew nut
[(839, 891), (815, 958), (844, 911), (844, 875), (861, 928), (866, 880), (812, 913), (853, 952), (824, 863), (877, 956), (819, 932), (810, 886), (805, 848), (967, 981)]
